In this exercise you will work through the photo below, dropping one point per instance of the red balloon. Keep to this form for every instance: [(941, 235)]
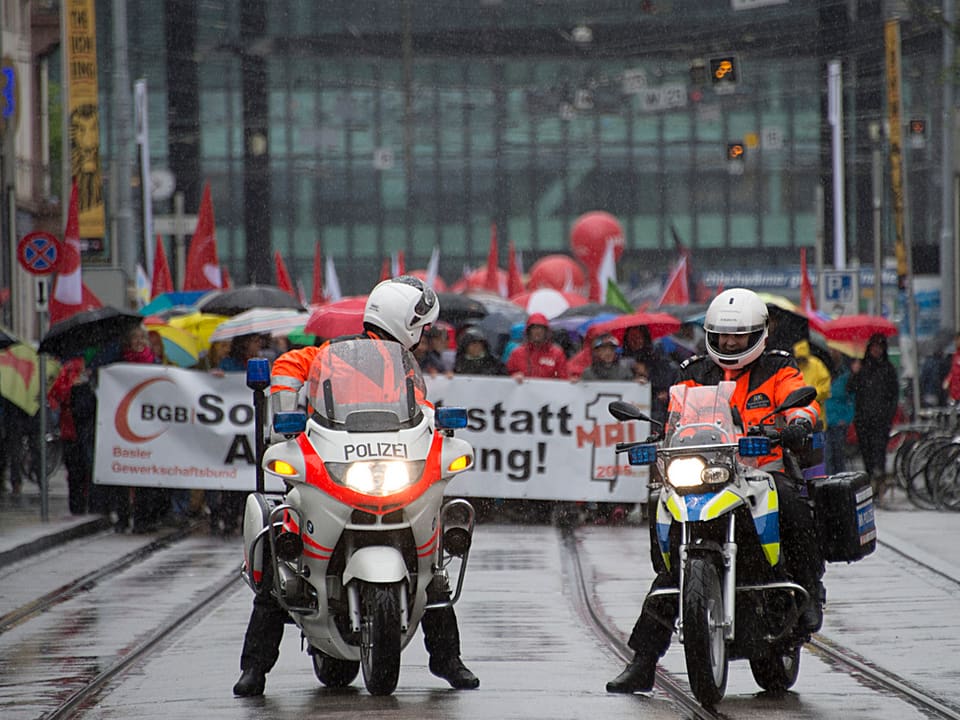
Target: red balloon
[(560, 272), (589, 237)]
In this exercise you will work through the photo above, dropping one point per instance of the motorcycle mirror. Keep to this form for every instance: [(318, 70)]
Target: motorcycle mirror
[(622, 410), (797, 398)]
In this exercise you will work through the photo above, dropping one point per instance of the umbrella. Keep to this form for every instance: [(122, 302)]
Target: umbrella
[(493, 303), (200, 325), (548, 301), (456, 308), (20, 376), (87, 328), (343, 317), (858, 328), (7, 338), (234, 301), (167, 301), (496, 329), (589, 310), (658, 323), (260, 321), (180, 347)]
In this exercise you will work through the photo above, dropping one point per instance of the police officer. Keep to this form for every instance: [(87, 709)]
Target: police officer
[(736, 326), (397, 310)]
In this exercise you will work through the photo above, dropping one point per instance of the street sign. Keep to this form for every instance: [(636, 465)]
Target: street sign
[(42, 294), (174, 224), (841, 292), (38, 252)]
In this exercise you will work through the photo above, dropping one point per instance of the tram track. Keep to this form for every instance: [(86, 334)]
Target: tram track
[(86, 581), (91, 688), (827, 649)]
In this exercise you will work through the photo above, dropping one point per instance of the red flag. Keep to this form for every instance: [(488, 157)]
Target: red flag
[(161, 282), (316, 296), (70, 294), (283, 277), (492, 282), (677, 289), (514, 279), (808, 302), (385, 270), (203, 267)]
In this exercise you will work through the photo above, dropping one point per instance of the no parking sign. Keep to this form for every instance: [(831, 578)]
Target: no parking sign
[(38, 252)]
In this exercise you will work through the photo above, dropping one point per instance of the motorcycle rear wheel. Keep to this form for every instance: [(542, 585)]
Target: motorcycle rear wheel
[(380, 639), (704, 645), (334, 672), (776, 672)]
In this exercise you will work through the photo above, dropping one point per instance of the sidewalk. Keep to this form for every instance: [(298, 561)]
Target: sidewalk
[(23, 533)]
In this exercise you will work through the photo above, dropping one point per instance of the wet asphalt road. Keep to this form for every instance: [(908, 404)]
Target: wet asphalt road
[(522, 634)]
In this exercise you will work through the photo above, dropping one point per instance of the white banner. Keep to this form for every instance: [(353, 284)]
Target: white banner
[(164, 426), (542, 439), (545, 439)]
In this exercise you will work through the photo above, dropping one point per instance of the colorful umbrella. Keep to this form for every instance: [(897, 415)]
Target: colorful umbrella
[(20, 376), (858, 328), (200, 325), (260, 321), (166, 301), (180, 347), (548, 301), (343, 317), (659, 324)]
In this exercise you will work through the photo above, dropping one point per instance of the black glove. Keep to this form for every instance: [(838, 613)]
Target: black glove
[(794, 435)]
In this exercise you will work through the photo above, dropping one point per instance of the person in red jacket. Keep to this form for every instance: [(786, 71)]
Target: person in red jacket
[(397, 310), (538, 357)]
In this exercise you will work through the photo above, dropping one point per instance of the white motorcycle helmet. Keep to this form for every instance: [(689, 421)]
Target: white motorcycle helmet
[(402, 307), (736, 312)]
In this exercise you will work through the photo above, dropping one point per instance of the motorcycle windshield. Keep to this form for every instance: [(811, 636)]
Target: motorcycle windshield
[(700, 415), (365, 385)]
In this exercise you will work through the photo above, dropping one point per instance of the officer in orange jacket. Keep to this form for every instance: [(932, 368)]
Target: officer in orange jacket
[(736, 326), (397, 310)]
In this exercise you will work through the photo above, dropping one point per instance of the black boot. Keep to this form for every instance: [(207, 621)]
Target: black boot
[(454, 672), (251, 683), (811, 619), (637, 676)]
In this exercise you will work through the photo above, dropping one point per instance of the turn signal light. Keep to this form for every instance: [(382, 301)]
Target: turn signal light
[(461, 463), (279, 467)]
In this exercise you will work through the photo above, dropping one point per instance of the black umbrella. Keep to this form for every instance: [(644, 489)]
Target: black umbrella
[(496, 329), (456, 309), (234, 301), (89, 328), (589, 310), (7, 338)]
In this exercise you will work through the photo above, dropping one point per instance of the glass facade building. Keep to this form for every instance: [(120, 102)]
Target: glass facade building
[(383, 126)]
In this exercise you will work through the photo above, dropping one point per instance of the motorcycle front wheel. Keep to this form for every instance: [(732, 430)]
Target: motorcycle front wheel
[(704, 646), (380, 639), (334, 672), (775, 671)]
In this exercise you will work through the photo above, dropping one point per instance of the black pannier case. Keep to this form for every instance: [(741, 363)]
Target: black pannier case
[(843, 507)]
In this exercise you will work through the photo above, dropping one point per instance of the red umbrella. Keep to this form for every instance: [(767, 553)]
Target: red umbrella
[(343, 317), (658, 323), (858, 328)]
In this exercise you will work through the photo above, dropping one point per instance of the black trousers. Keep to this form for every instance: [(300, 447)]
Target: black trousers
[(261, 642), (800, 553)]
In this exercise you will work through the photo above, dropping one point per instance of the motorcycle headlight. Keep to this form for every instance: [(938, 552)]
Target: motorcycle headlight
[(685, 472), (690, 472), (376, 477)]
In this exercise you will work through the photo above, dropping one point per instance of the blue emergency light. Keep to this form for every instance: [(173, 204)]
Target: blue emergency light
[(754, 446), (289, 423), (258, 373), (450, 418), (642, 454)]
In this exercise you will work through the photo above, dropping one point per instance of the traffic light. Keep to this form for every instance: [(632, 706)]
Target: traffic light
[(724, 73), (736, 151)]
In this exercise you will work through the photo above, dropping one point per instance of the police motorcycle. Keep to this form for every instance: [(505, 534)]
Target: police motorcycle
[(716, 531), (363, 528)]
